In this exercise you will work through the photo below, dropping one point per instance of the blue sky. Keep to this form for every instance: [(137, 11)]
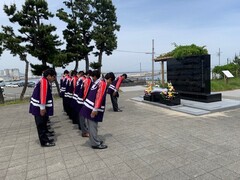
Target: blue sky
[(211, 23)]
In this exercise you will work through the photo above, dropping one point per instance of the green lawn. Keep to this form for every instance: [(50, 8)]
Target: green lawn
[(221, 85)]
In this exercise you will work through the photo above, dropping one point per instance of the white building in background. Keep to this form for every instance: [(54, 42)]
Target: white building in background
[(1, 72), (10, 74), (15, 74), (6, 72)]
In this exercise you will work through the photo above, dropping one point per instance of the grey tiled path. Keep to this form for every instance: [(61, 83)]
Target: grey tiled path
[(145, 142)]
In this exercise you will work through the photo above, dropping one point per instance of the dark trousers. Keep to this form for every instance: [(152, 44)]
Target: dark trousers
[(74, 116), (114, 100), (64, 104), (41, 123)]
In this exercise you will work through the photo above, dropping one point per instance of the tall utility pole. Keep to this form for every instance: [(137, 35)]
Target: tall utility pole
[(140, 69), (152, 61), (219, 55)]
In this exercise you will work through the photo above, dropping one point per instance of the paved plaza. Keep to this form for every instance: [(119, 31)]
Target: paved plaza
[(144, 142)]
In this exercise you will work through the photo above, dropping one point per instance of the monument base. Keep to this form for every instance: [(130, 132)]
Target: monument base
[(201, 97), (157, 97)]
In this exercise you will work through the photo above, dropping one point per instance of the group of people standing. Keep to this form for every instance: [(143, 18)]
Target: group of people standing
[(84, 100)]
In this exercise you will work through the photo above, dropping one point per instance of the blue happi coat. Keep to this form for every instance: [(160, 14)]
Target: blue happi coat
[(96, 100), (42, 95), (77, 99)]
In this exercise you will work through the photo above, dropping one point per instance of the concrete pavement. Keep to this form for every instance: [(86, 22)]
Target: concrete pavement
[(145, 142)]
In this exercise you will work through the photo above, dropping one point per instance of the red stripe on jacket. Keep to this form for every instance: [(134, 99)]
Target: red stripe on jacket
[(43, 90), (100, 93), (75, 78), (119, 82), (86, 85)]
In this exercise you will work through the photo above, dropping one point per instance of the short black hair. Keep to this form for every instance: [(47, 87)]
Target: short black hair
[(66, 72), (110, 75), (50, 72), (73, 73), (89, 72), (81, 72), (96, 73), (125, 75)]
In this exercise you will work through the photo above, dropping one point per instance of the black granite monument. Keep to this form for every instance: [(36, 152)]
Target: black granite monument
[(190, 76)]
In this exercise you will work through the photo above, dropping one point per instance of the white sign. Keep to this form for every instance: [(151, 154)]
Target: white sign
[(227, 74)]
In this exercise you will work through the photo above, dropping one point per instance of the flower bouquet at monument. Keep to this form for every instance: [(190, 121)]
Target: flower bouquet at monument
[(170, 92), (147, 93), (148, 90)]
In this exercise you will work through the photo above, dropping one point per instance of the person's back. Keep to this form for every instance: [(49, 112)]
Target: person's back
[(113, 91), (41, 106), (94, 107)]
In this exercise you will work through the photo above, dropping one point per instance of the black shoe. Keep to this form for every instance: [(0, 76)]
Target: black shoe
[(101, 146), (48, 144), (51, 140), (50, 131), (50, 134)]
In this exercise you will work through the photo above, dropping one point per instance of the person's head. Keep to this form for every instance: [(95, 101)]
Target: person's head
[(66, 72), (89, 73), (95, 75), (124, 76), (80, 74), (50, 74), (73, 73), (110, 77)]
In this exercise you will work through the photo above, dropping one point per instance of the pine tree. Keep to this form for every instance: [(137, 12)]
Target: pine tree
[(34, 36), (77, 33), (105, 25)]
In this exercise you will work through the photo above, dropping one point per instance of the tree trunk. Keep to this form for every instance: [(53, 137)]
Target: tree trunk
[(25, 81), (76, 65), (87, 63), (57, 84), (100, 60), (1, 96)]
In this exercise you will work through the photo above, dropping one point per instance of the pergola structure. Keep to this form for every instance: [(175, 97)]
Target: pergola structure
[(162, 60)]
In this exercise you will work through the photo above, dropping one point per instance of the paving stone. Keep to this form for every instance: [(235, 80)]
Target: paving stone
[(162, 166), (87, 176), (93, 166), (63, 174), (145, 142), (192, 170), (175, 175), (18, 176), (73, 162), (102, 174), (36, 173), (91, 158), (4, 165), (224, 173), (120, 168), (207, 177), (146, 172), (135, 163), (17, 169), (77, 170), (36, 164), (129, 175), (111, 161), (56, 167), (18, 162)]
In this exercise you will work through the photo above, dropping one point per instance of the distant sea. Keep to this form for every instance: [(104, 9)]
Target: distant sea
[(147, 75)]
